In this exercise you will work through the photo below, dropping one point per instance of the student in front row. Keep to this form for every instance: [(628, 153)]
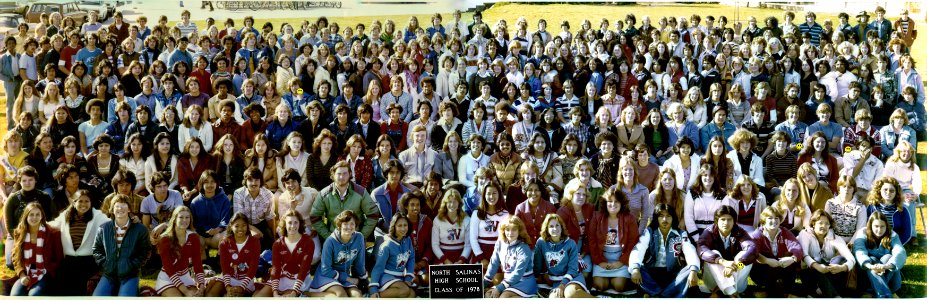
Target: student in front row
[(239, 253), (37, 253), (556, 260), (513, 258), (120, 249), (880, 253), (393, 272), (180, 248), (671, 277), (727, 254), (342, 267), (293, 253)]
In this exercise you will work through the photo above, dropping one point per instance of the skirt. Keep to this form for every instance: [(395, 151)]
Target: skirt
[(556, 281), (235, 282), (285, 284), (487, 253), (321, 283), (526, 288), (163, 283), (388, 280), (611, 256), (451, 255)]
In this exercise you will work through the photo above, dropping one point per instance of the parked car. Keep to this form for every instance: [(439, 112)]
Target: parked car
[(104, 8), (67, 8), (8, 24)]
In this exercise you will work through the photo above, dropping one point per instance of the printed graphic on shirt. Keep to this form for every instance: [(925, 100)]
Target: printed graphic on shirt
[(345, 256)]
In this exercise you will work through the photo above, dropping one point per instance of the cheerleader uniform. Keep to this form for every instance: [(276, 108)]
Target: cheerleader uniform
[(485, 233), (338, 258), (516, 261), (291, 263), (559, 261), (450, 241), (175, 269), (395, 263), (239, 262)]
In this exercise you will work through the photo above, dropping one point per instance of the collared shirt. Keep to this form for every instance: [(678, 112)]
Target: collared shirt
[(121, 231), (255, 208)]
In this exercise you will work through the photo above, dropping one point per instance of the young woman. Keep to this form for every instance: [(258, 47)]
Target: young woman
[(685, 163), (263, 158), (294, 249), (93, 127), (550, 169), (162, 160), (727, 253), (746, 198), (605, 162), (450, 155), (479, 125), (395, 128), (533, 211), (193, 161), (847, 213), (630, 131), (635, 192), (120, 259), (827, 259), (823, 162), (570, 154), (239, 255), (37, 253), (886, 198), (78, 223), (505, 162), (292, 156), (673, 277), (814, 192), (321, 160), (229, 163), (61, 125), (880, 253), (556, 260), (707, 197), (716, 155), (484, 223), (668, 192), (613, 233), (796, 214), (778, 256), (450, 231), (550, 125), (513, 259), (897, 130), (179, 248), (392, 275), (102, 165), (195, 125), (343, 259), (901, 165)]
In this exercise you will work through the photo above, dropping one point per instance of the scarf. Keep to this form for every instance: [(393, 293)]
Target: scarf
[(33, 254)]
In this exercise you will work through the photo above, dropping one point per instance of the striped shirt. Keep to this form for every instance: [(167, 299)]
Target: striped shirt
[(121, 233), (815, 31)]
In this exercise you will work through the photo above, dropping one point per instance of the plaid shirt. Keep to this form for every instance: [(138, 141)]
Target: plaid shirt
[(255, 208)]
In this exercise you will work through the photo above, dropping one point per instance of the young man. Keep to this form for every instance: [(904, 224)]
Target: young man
[(121, 248), (342, 195), (9, 74), (28, 68), (418, 160)]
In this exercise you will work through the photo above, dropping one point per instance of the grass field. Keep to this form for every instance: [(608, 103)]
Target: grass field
[(914, 284)]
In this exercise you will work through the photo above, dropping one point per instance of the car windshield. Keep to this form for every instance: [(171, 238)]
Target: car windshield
[(10, 21)]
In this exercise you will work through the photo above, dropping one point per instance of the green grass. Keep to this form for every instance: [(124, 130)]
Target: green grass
[(914, 272)]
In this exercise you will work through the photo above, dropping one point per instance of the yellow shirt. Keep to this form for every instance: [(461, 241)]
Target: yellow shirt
[(10, 165)]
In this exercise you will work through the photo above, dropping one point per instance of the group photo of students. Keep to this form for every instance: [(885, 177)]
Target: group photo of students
[(626, 155)]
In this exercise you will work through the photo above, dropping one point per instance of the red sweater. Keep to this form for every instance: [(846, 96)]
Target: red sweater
[(239, 264), (571, 224), (175, 266), (188, 176), (291, 264), (598, 230)]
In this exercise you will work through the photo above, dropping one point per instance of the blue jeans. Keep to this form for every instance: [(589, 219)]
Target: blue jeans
[(107, 287), (36, 290), (887, 283), (11, 88), (659, 282)]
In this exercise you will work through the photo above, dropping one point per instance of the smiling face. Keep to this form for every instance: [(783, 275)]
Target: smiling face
[(510, 233), (554, 229)]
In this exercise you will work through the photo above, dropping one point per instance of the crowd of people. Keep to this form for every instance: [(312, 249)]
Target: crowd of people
[(327, 160)]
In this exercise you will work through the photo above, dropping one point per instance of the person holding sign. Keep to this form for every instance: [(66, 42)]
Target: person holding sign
[(342, 266), (556, 260), (395, 265), (513, 257)]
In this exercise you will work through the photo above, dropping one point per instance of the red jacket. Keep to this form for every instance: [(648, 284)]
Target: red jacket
[(526, 213), (52, 252), (291, 264), (420, 233), (831, 163), (176, 266), (598, 230), (188, 176), (241, 265), (571, 224), (247, 134), (363, 171)]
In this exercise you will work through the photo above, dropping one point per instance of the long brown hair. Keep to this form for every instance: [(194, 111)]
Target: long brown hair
[(19, 235), (677, 196), (873, 241), (171, 233)]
